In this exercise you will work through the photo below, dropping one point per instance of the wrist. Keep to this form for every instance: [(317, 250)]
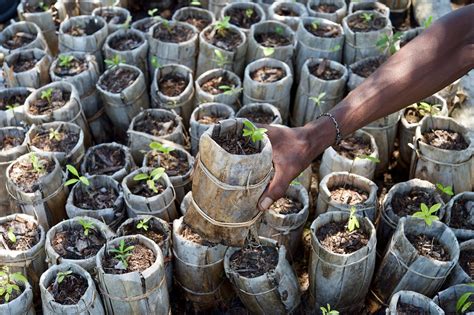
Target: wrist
[(320, 134)]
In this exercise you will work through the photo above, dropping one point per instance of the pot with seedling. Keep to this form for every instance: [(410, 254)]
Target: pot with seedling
[(332, 10), (131, 275), (459, 215), (36, 182), (27, 68), (148, 191), (261, 113), (177, 162), (216, 6), (145, 24), (463, 272), (16, 295), (116, 17), (20, 36), (322, 86), (222, 45), (287, 12), (362, 69), (218, 86), (243, 15), (368, 6), (409, 302), (204, 117), (12, 102), (197, 17), (458, 299)]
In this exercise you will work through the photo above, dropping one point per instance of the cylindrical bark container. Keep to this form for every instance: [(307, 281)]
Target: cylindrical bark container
[(226, 186), (85, 7), (136, 292), (54, 258), (447, 299), (204, 117), (420, 302), (459, 274), (116, 17), (198, 17), (369, 6), (161, 205), (341, 280), (18, 73), (362, 69), (273, 92), (312, 86), (287, 12), (325, 203), (262, 113), (458, 215), (257, 14), (28, 32), (22, 304), (110, 215), (182, 103), (89, 303), (335, 10), (44, 198), (215, 6), (144, 25), (15, 98)]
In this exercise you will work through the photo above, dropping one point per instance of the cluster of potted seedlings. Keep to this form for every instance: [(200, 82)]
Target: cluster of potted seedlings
[(132, 161)]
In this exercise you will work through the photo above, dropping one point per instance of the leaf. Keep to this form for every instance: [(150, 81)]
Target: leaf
[(84, 180), (424, 207), (435, 208), (419, 215), (11, 235), (72, 181), (72, 170), (18, 277), (155, 146), (466, 307), (157, 173), (462, 301), (268, 51), (140, 176)]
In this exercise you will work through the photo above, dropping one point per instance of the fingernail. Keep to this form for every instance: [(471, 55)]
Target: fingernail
[(266, 203)]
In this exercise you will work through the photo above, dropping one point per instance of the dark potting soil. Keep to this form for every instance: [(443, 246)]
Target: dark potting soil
[(194, 237), (348, 195), (13, 100), (466, 261), (284, 10), (10, 142), (461, 214), (243, 17), (76, 66), (325, 8), (13, 295), (95, 199), (105, 161), (199, 23), (140, 260), (236, 144), (318, 30), (210, 119), (324, 71), (153, 233), (272, 40), (353, 146), (141, 188), (65, 141), (445, 139), (72, 243), (70, 290), (259, 117), (24, 64), (90, 28), (408, 203), (128, 42), (174, 163), (173, 33), (26, 178), (212, 85), (172, 84), (254, 262), (113, 17), (429, 247), (409, 309), (158, 127), (286, 205), (368, 67), (118, 79), (225, 39), (357, 23), (41, 106), (18, 40), (268, 74), (27, 234), (335, 238)]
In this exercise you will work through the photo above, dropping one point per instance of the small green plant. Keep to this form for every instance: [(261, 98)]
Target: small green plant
[(229, 90), (11, 235), (427, 214), (126, 24), (220, 59), (115, 61), (47, 95), (122, 252), (196, 3), (161, 147), (152, 12), (425, 108), (151, 178), (335, 48), (367, 17), (279, 30), (86, 226), (256, 134), (318, 100), (36, 164), (78, 177), (12, 107), (315, 25), (427, 23), (65, 60), (166, 24), (327, 310), (143, 224), (154, 62), (353, 222), (43, 6), (268, 51), (389, 42), (54, 134), (9, 282), (368, 157), (249, 12), (223, 25), (463, 304), (61, 275), (447, 190)]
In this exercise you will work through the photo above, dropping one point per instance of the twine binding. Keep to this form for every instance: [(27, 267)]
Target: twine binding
[(132, 298)]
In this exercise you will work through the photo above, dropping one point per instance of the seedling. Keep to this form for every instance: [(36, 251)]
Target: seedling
[(223, 25), (315, 25), (151, 178), (463, 305), (448, 190), (122, 252), (78, 177), (195, 2), (11, 235), (256, 134), (295, 182), (229, 90), (335, 48), (220, 59), (166, 24), (367, 17), (427, 22), (36, 164), (154, 62), (143, 224), (65, 60), (161, 147), (279, 30), (126, 24), (152, 12), (43, 6), (249, 12), (389, 42), (12, 107), (268, 51), (318, 100), (327, 310), (353, 222), (425, 108), (86, 226), (61, 275), (9, 282), (47, 95), (368, 157), (54, 134), (115, 61), (427, 214)]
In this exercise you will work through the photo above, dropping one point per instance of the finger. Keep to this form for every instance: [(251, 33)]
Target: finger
[(276, 189)]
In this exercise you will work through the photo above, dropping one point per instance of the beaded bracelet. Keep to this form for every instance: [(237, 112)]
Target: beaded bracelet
[(336, 125)]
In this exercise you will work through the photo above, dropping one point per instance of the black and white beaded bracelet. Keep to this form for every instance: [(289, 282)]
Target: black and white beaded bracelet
[(336, 125)]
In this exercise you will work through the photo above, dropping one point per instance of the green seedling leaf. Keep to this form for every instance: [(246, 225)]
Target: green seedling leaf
[(61, 275), (448, 190), (268, 51), (86, 225), (318, 100), (143, 224), (427, 213), (65, 60), (353, 222), (427, 23), (368, 157), (11, 235), (256, 134)]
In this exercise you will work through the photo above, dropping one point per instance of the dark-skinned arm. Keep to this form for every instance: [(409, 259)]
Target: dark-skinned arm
[(440, 55)]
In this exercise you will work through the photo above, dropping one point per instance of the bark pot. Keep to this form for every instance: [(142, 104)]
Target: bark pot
[(23, 27), (463, 234), (291, 21), (16, 115), (415, 299), (32, 78), (231, 98), (336, 16), (118, 11), (264, 108)]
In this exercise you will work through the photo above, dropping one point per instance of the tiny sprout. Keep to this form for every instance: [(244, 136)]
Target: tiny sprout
[(223, 25), (47, 94), (43, 6), (425, 108), (36, 164), (318, 100), (268, 51), (427, 213), (151, 178), (221, 60), (279, 30), (353, 222), (122, 253), (367, 16), (335, 48), (65, 60), (126, 24), (166, 24), (389, 42), (143, 224), (256, 134), (315, 25), (54, 134), (448, 190), (229, 90), (86, 225), (61, 275), (462, 304), (12, 107), (9, 282), (249, 12), (78, 178), (295, 182), (195, 2), (154, 62), (115, 61), (161, 147), (11, 235), (327, 310), (368, 157), (152, 12), (428, 21)]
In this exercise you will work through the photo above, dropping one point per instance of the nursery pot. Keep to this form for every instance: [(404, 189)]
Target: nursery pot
[(215, 6), (198, 17), (113, 24), (34, 77), (356, 77), (370, 6), (459, 275), (13, 116), (260, 113), (22, 304), (447, 299), (32, 32), (144, 25), (298, 9), (206, 95), (464, 199), (243, 6), (335, 16), (414, 299)]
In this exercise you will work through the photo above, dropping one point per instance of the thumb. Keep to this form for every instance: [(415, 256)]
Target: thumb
[(275, 190)]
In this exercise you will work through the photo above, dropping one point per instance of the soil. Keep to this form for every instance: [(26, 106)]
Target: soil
[(128, 42), (13, 295), (67, 140), (105, 161), (461, 214), (141, 188), (172, 84), (227, 39), (413, 115), (41, 106), (259, 117), (118, 79), (156, 126), (353, 146), (324, 71), (174, 163), (445, 139), (10, 142), (113, 17), (18, 40), (173, 34), (272, 40), (140, 260), (268, 74), (429, 247), (284, 10), (367, 68), (323, 30), (200, 24), (26, 178), (73, 244), (26, 232), (70, 290), (153, 233), (24, 64), (254, 262), (194, 237), (335, 238), (407, 309), (286, 205), (466, 261), (210, 119), (408, 203), (90, 28), (13, 100), (236, 144), (75, 67), (357, 23), (95, 199), (325, 8), (348, 195), (239, 17), (212, 85)]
